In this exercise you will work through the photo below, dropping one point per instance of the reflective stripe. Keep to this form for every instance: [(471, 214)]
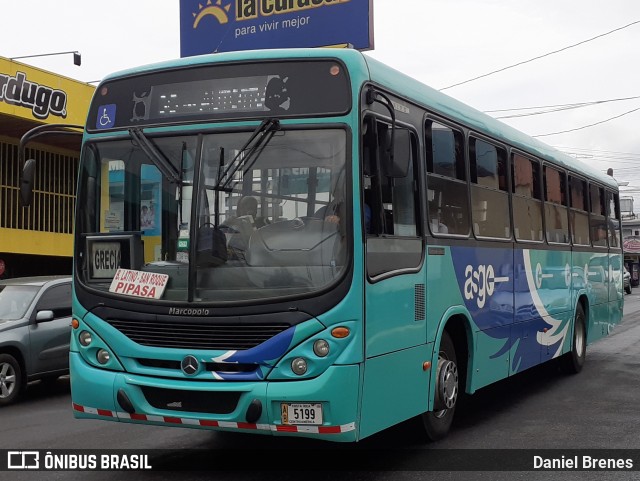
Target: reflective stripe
[(217, 424)]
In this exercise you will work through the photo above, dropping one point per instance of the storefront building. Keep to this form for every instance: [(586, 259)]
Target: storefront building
[(631, 246), (38, 239)]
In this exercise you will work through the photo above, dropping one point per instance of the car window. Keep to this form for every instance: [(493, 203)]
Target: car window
[(57, 299), (15, 301)]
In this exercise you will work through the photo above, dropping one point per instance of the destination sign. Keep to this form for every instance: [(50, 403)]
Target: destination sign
[(223, 91), (129, 282), (105, 259)]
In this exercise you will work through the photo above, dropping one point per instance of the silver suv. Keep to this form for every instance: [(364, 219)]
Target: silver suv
[(35, 328)]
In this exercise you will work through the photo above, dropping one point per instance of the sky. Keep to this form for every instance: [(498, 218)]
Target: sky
[(439, 42)]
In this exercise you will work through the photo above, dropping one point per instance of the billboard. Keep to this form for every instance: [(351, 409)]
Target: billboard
[(35, 94), (212, 26)]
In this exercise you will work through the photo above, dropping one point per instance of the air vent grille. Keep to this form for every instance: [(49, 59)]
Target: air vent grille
[(181, 335), (420, 302)]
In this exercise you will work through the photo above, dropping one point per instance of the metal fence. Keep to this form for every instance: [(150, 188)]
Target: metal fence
[(54, 191)]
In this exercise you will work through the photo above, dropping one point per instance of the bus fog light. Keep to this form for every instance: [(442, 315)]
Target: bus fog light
[(299, 366), (321, 348), (85, 338), (103, 356)]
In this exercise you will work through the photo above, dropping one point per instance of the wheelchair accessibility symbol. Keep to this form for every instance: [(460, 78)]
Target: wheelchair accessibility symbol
[(106, 116)]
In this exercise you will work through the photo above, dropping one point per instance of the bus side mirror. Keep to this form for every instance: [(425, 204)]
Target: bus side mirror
[(396, 164), (26, 186)]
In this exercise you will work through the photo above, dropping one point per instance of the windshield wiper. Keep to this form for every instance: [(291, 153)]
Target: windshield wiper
[(253, 147), (156, 156)]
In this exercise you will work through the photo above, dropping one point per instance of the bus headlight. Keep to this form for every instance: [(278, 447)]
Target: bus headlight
[(85, 338), (321, 348), (299, 366), (103, 356)]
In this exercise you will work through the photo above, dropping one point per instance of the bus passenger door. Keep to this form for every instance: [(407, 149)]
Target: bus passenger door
[(395, 385)]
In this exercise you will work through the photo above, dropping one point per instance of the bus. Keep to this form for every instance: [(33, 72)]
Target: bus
[(307, 242)]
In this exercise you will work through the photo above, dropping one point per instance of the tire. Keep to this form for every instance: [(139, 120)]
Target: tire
[(628, 289), (437, 423), (573, 361), (11, 383)]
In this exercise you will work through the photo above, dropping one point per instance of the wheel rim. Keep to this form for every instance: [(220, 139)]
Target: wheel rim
[(447, 386), (579, 327), (7, 380)]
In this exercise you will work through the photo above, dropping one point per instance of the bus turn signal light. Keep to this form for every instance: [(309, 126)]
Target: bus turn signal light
[(340, 332)]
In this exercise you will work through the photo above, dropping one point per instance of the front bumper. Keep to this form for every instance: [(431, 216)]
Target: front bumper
[(94, 394)]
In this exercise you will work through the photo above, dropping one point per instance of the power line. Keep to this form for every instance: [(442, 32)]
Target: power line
[(536, 107), (541, 56), (557, 105), (601, 155), (555, 108), (622, 159), (632, 163), (559, 147), (590, 125)]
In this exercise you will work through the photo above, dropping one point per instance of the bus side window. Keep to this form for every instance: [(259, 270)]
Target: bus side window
[(555, 206), (391, 200), (393, 242), (447, 195), (527, 199), (598, 216), (579, 213), (489, 194)]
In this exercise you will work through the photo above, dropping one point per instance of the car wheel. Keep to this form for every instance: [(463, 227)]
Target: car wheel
[(438, 422), (573, 361), (10, 379), (627, 289)]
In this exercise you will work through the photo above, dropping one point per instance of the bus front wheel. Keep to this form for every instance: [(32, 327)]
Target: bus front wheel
[(438, 422)]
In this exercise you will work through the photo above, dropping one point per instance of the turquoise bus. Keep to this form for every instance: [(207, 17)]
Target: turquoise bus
[(310, 243)]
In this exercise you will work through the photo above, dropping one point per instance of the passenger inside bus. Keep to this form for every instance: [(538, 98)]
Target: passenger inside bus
[(434, 219), (331, 213), (240, 227)]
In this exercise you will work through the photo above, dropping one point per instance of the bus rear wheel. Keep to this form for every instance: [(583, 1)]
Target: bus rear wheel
[(573, 361), (438, 422)]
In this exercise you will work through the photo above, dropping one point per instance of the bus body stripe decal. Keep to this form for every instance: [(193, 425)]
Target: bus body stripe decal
[(217, 424), (552, 336)]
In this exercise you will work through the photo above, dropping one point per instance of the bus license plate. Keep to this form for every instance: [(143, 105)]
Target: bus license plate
[(301, 413)]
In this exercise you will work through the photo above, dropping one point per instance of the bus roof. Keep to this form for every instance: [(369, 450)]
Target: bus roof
[(404, 86), (348, 55), (465, 115)]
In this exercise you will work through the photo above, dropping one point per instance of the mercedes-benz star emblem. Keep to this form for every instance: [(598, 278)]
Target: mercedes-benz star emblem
[(189, 365)]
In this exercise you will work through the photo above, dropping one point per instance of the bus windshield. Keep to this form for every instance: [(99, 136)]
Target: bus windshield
[(229, 216)]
